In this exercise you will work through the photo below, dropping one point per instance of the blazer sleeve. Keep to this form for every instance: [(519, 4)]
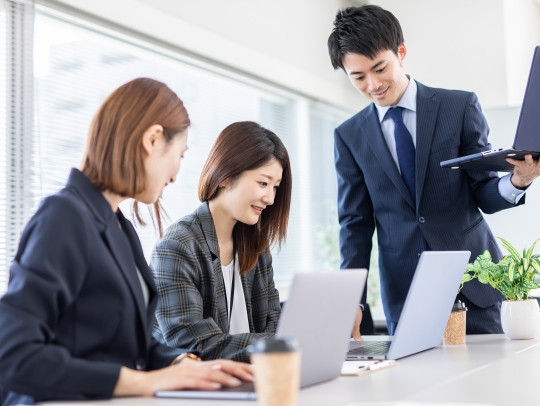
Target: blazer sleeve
[(161, 355), (355, 210), (45, 279), (180, 321), (474, 138)]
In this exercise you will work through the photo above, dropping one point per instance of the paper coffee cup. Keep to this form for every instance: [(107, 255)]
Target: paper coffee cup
[(276, 368), (454, 334)]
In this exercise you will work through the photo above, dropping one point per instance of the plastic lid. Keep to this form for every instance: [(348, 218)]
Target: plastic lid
[(459, 307), (272, 344)]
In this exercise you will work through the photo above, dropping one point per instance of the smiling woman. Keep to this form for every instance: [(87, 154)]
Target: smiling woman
[(213, 268)]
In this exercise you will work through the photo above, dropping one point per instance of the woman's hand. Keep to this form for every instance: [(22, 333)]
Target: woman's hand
[(188, 374)]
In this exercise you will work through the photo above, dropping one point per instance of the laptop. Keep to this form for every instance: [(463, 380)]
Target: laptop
[(526, 141), (320, 314), (426, 310)]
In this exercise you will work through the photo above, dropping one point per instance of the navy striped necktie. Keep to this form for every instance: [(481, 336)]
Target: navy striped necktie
[(405, 150)]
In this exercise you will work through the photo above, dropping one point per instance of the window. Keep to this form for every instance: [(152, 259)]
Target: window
[(16, 120), (77, 64)]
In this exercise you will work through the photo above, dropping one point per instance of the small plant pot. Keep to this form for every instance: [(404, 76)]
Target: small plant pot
[(520, 319)]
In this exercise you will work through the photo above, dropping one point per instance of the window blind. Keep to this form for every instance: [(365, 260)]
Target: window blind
[(16, 122), (76, 64)]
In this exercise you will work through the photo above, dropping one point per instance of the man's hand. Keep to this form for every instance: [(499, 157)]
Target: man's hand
[(524, 171), (356, 328)]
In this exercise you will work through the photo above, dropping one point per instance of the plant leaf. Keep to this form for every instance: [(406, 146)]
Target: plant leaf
[(511, 250), (525, 265), (466, 278), (535, 265), (530, 251), (511, 268)]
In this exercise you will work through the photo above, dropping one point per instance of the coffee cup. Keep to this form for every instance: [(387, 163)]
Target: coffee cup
[(276, 368), (454, 334)]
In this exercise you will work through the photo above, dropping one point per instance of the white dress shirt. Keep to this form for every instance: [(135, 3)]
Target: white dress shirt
[(238, 322), (408, 102)]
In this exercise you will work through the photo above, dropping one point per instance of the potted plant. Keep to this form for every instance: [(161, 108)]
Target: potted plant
[(513, 276)]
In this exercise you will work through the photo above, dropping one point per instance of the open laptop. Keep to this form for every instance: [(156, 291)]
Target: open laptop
[(320, 314), (426, 310), (527, 139)]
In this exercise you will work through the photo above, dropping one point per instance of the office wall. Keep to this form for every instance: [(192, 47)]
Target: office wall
[(479, 45), (280, 41), (484, 46)]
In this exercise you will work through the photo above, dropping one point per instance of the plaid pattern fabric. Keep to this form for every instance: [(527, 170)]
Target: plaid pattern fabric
[(192, 306)]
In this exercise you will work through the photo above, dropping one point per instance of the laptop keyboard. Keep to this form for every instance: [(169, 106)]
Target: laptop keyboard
[(371, 348)]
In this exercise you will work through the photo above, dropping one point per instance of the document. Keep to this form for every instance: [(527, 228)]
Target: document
[(355, 368)]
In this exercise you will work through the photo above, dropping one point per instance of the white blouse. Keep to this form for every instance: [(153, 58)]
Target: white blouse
[(144, 287), (238, 319)]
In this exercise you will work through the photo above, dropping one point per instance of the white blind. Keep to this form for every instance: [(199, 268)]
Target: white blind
[(16, 120), (4, 251), (77, 64)]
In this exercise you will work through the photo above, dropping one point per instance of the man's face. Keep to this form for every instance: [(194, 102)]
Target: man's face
[(381, 79)]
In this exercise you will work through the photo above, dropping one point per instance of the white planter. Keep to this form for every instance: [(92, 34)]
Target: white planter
[(520, 319)]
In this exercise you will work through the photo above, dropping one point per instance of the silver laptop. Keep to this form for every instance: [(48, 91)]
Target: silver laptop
[(426, 310), (526, 140), (319, 314)]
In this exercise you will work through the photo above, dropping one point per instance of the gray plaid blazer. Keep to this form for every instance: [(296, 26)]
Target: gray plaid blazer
[(192, 307)]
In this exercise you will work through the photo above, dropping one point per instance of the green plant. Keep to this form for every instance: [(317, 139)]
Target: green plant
[(513, 275)]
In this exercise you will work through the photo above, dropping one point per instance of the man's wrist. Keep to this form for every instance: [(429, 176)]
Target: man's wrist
[(518, 184)]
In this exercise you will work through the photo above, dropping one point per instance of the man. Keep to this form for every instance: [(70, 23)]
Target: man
[(387, 161)]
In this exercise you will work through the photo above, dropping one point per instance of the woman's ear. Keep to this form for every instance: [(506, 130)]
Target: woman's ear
[(151, 137), (224, 183)]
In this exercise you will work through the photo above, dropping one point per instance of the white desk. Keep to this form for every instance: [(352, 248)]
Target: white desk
[(490, 369)]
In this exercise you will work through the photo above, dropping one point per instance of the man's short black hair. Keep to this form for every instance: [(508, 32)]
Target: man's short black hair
[(365, 30)]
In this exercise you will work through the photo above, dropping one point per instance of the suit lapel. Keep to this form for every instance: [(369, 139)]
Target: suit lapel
[(209, 235), (116, 240), (427, 108), (142, 265), (123, 254), (378, 144)]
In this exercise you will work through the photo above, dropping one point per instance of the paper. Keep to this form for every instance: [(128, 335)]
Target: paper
[(354, 368)]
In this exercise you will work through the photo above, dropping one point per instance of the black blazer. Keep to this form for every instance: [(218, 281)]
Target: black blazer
[(74, 312), (446, 216)]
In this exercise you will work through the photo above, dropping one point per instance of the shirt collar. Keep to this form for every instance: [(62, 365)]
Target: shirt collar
[(407, 101)]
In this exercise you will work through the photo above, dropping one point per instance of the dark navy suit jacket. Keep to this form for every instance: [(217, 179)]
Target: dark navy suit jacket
[(446, 216), (74, 312)]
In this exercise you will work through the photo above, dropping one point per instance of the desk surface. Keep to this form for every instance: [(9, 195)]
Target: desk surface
[(489, 369)]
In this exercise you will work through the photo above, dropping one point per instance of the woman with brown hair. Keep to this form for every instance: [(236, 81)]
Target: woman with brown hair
[(76, 320), (213, 268)]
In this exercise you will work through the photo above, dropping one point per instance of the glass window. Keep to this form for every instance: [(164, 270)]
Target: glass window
[(77, 64)]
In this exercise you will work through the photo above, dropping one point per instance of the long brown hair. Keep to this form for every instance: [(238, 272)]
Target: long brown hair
[(114, 157), (242, 147)]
